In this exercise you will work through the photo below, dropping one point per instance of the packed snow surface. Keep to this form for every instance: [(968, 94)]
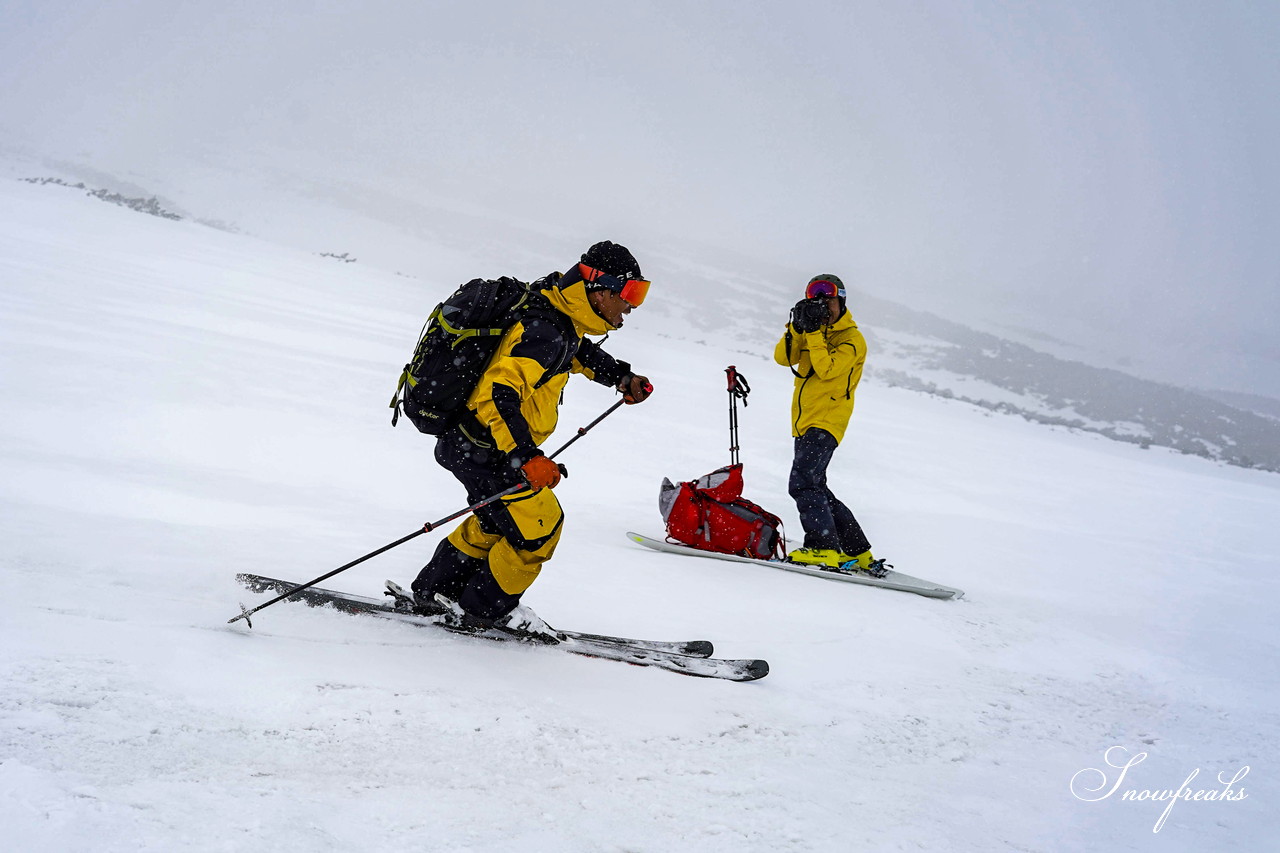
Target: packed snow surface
[(180, 404)]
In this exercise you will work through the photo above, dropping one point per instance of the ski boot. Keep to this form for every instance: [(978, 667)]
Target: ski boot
[(521, 624), (527, 624), (452, 616)]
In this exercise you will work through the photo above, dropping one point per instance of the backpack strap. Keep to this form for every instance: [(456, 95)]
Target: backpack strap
[(461, 334), (704, 516), (396, 399)]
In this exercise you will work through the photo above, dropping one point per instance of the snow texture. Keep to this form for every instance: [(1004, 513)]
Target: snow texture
[(181, 403)]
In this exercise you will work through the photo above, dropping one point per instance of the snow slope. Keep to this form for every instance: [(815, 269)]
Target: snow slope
[(181, 403)]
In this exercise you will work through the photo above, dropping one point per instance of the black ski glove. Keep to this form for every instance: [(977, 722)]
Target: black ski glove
[(635, 388)]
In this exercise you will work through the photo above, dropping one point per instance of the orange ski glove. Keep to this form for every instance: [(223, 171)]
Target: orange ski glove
[(540, 472)]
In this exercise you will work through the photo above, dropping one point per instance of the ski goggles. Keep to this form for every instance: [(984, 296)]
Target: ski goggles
[(823, 288), (633, 290)]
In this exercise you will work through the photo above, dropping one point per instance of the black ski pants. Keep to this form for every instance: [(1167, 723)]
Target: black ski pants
[(827, 522)]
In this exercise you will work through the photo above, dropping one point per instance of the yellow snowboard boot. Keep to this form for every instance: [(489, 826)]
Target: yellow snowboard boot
[(828, 557)]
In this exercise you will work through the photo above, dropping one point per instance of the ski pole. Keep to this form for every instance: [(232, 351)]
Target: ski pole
[(246, 612), (586, 429), (738, 387)]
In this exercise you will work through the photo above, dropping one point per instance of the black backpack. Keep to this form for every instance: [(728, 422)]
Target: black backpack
[(454, 348)]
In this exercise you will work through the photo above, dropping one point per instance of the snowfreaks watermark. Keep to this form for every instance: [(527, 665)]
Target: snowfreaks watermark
[(1093, 784)]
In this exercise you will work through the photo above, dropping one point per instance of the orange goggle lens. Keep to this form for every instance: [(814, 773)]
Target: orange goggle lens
[(633, 290)]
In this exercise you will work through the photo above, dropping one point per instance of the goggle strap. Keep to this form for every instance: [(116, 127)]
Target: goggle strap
[(633, 290)]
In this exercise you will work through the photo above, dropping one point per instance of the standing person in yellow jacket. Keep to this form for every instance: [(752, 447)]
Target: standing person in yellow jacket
[(485, 565), (825, 351)]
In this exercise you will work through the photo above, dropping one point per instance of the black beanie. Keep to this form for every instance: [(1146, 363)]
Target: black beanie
[(612, 258)]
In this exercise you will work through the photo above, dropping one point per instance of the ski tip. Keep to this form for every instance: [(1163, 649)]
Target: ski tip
[(252, 582), (756, 670), (699, 648)]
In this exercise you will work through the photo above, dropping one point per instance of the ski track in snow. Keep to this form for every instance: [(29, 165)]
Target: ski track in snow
[(182, 404)]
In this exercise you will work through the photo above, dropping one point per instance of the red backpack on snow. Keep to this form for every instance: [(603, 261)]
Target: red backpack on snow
[(710, 514)]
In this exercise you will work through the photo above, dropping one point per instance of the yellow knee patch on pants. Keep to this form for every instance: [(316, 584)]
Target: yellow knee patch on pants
[(516, 570), (538, 517), (470, 539), (535, 514), (515, 561)]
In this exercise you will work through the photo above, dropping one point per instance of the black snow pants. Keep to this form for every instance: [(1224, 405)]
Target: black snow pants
[(827, 522)]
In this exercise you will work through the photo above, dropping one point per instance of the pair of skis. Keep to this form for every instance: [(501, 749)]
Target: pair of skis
[(691, 657)]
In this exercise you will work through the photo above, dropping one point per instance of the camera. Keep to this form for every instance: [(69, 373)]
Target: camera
[(809, 315)]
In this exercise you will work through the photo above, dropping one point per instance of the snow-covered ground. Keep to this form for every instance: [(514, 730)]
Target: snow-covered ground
[(182, 403)]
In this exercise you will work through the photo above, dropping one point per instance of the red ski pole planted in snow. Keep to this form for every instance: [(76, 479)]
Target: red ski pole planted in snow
[(246, 612), (738, 390)]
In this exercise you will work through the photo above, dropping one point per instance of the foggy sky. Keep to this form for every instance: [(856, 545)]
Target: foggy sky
[(1103, 173)]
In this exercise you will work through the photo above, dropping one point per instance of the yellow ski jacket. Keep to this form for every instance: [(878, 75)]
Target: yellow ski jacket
[(517, 401), (828, 365)]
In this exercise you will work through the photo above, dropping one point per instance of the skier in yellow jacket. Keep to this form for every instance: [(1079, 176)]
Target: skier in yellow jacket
[(825, 351), (486, 564)]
